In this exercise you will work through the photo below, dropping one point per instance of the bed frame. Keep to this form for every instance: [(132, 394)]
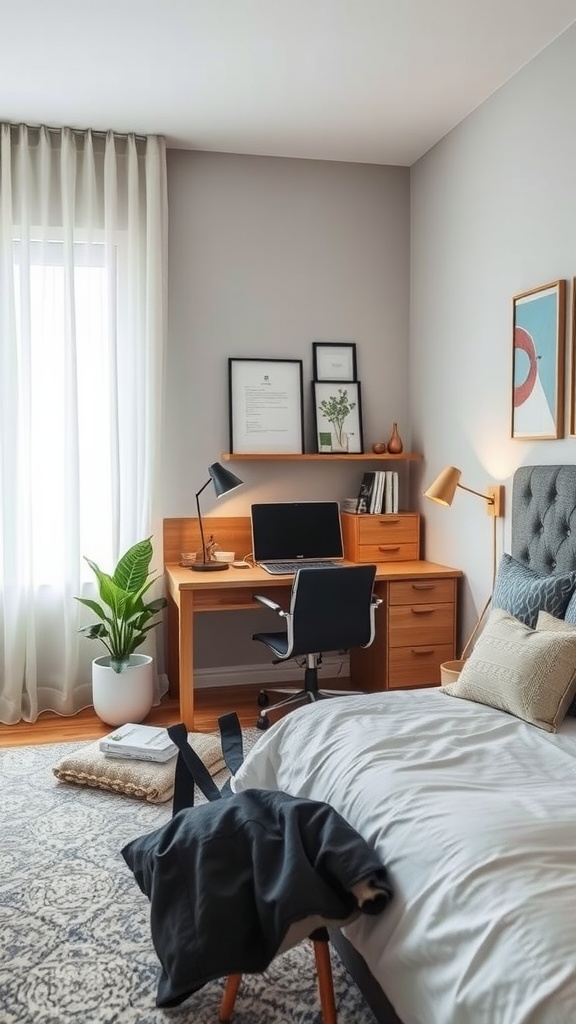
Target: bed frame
[(543, 538)]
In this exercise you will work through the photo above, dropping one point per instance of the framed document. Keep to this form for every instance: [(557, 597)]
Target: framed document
[(334, 360), (266, 406), (338, 417)]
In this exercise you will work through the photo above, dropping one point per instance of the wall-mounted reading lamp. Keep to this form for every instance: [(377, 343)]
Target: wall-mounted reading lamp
[(224, 481), (442, 491)]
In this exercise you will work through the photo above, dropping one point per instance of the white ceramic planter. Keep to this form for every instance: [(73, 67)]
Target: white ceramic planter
[(126, 696)]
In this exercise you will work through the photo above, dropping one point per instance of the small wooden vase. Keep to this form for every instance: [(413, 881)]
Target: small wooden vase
[(395, 446)]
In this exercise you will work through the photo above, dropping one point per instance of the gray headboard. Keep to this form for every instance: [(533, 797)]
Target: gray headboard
[(544, 518)]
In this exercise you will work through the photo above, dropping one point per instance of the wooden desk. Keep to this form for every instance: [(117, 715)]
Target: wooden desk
[(405, 653)]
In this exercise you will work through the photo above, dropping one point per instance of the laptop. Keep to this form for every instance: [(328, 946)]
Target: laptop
[(287, 535)]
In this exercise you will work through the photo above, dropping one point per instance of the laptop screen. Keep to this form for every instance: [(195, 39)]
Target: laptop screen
[(285, 531)]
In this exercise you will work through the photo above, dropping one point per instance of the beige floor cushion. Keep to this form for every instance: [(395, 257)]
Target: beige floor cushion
[(145, 780)]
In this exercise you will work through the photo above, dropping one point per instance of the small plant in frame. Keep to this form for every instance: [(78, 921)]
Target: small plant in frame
[(336, 410), (338, 417)]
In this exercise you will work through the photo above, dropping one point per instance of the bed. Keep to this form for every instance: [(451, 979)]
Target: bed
[(472, 808)]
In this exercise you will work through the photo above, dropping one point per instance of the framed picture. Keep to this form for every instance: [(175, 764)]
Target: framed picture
[(572, 400), (266, 406), (338, 417), (334, 360), (538, 347)]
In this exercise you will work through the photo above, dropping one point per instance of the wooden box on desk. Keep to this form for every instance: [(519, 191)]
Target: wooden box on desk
[(390, 537)]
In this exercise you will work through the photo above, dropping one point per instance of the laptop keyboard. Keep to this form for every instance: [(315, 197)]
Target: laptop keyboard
[(286, 568)]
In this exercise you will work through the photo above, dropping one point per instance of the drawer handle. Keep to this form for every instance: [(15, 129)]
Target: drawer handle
[(423, 586), (422, 650), (422, 609), (389, 547), (388, 522)]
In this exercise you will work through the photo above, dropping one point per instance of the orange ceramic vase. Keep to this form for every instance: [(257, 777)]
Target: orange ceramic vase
[(395, 446)]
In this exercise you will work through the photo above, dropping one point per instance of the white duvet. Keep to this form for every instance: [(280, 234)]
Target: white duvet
[(474, 814)]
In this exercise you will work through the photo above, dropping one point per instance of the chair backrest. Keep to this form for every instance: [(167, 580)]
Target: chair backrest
[(331, 609)]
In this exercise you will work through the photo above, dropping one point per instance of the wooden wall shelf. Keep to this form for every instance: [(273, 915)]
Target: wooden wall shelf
[(315, 457)]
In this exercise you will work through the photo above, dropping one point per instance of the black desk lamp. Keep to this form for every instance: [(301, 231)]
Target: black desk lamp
[(224, 481)]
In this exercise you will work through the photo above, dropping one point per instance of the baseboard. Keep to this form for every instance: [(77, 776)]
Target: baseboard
[(334, 666)]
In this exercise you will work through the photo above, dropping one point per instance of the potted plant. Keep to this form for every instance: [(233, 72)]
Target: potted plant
[(122, 681)]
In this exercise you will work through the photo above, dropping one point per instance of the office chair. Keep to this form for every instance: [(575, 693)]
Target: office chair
[(331, 609)]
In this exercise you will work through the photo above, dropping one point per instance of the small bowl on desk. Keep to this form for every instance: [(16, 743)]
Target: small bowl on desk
[(224, 556), (187, 557)]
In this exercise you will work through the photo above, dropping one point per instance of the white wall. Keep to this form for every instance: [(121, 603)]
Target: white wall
[(266, 256), (493, 213)]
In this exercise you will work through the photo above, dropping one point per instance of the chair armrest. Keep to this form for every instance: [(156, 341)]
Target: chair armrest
[(268, 603)]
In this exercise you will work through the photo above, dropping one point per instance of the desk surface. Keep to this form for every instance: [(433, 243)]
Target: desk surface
[(180, 577)]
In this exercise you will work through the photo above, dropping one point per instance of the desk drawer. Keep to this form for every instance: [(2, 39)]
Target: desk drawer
[(414, 592), (226, 599), (381, 538), (387, 552), (420, 624), (418, 665)]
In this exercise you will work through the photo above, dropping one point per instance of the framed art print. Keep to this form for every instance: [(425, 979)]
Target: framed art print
[(334, 360), (338, 417), (538, 345), (266, 406), (572, 399)]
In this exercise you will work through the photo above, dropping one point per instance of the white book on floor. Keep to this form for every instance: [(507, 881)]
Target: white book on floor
[(139, 743)]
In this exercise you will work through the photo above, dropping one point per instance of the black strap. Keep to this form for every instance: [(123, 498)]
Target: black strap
[(189, 768), (231, 738)]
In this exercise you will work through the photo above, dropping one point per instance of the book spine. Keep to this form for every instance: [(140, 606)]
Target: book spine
[(364, 499)]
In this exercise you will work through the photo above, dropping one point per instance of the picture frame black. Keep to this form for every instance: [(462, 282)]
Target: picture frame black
[(334, 360), (338, 417), (266, 406)]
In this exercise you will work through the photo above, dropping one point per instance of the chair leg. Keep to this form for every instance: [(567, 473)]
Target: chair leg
[(325, 982), (229, 997)]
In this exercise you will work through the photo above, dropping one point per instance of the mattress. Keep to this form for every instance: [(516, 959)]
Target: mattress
[(473, 812)]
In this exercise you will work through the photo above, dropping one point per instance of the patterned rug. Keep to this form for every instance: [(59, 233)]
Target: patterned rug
[(75, 943)]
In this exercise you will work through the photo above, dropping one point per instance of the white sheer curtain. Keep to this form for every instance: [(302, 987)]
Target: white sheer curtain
[(83, 225)]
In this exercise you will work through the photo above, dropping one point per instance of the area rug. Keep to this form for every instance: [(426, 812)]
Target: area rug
[(75, 944)]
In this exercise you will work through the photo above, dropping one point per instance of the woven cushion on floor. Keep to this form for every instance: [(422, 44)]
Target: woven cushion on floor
[(145, 780)]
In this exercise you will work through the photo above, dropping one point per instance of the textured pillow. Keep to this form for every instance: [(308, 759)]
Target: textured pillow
[(548, 622), (530, 673), (145, 780), (522, 592)]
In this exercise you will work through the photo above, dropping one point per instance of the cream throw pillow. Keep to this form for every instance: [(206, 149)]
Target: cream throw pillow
[(530, 673), (145, 780)]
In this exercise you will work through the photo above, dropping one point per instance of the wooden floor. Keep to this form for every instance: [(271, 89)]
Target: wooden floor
[(210, 703)]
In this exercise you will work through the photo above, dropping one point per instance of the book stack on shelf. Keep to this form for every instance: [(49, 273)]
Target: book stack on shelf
[(348, 504), (378, 493)]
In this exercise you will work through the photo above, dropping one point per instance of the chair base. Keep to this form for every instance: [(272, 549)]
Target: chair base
[(309, 694)]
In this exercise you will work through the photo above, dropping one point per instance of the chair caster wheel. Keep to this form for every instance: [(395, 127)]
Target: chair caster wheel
[(263, 722), (263, 699)]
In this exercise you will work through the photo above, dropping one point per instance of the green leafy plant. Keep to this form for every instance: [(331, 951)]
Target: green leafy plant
[(335, 409), (124, 616)]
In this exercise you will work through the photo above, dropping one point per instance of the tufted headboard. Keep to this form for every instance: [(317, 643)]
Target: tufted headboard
[(544, 518)]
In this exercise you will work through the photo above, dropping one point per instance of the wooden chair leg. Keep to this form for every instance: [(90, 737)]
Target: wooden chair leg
[(229, 997), (325, 982)]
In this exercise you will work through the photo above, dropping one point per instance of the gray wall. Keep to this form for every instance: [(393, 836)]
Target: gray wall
[(493, 213), (266, 256)]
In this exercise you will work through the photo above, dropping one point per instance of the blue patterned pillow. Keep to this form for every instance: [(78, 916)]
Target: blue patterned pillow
[(523, 593)]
